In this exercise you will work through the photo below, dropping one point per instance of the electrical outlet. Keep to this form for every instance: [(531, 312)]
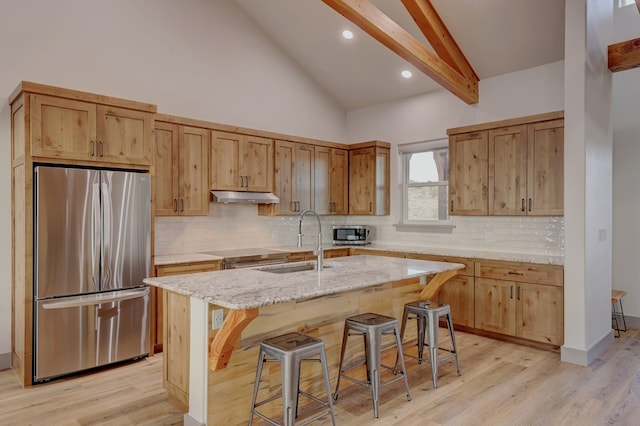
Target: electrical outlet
[(217, 318)]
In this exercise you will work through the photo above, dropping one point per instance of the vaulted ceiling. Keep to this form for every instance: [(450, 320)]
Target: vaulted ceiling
[(495, 36)]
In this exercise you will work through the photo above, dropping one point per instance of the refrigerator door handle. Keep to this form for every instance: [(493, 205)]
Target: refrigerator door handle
[(107, 223), (96, 299)]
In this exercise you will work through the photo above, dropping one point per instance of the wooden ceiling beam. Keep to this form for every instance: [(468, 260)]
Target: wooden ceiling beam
[(378, 25), (438, 35), (624, 55)]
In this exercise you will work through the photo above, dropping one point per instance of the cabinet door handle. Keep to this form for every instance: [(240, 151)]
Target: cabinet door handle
[(93, 148), (515, 273), (370, 207), (101, 149), (530, 204), (175, 205), (518, 292), (522, 205), (181, 204), (510, 292), (451, 206)]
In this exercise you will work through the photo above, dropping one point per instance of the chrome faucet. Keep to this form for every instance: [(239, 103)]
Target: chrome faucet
[(318, 250)]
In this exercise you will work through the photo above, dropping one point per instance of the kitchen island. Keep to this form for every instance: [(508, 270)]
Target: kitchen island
[(264, 302)]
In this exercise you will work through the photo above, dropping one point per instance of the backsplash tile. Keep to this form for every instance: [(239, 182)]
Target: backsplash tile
[(239, 226)]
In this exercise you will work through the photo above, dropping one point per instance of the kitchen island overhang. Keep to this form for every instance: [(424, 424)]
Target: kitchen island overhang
[(245, 291)]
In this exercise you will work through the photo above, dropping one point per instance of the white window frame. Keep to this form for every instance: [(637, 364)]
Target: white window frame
[(443, 226)]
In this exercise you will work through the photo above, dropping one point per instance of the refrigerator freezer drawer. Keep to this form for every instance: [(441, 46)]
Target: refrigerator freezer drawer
[(82, 332)]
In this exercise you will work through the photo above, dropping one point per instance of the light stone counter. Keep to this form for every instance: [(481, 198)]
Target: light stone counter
[(252, 288), (172, 259)]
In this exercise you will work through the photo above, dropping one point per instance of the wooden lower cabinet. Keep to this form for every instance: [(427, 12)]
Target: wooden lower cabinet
[(460, 295), (525, 300), (171, 321), (516, 299)]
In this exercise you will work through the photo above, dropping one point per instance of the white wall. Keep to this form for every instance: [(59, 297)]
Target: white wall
[(588, 179), (626, 157), (198, 58), (427, 117)]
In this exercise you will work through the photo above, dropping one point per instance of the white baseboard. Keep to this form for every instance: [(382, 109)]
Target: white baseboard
[(586, 357), (5, 361)]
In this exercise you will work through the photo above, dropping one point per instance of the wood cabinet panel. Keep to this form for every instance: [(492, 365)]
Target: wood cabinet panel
[(520, 271), (525, 174), (369, 181), (331, 167), (468, 173), (257, 163), (166, 176), (507, 171), (545, 182), (241, 162), (459, 294), (172, 328), (75, 130), (226, 157), (293, 178), (62, 128), (181, 160), (124, 135), (540, 313), (495, 306)]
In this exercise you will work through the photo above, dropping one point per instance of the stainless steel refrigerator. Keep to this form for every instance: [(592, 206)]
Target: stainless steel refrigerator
[(92, 248)]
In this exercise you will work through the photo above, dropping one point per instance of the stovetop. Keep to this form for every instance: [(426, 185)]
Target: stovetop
[(248, 254)]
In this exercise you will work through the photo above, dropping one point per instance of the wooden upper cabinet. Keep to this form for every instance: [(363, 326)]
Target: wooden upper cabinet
[(294, 178), (508, 171), (369, 181), (181, 159), (468, 173), (545, 176), (62, 128), (124, 135), (524, 174), (241, 162), (331, 180), (76, 130)]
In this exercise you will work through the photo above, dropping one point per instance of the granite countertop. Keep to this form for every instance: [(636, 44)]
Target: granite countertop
[(253, 288), (441, 251)]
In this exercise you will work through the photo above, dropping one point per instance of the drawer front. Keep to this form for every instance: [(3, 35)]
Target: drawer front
[(468, 263), (187, 268), (520, 272)]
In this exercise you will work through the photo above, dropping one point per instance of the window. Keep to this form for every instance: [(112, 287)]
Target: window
[(424, 181)]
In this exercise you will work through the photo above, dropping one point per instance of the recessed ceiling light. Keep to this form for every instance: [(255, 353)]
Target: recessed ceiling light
[(347, 34), (406, 74)]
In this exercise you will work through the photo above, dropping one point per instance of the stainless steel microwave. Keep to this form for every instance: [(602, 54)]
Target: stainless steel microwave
[(351, 234)]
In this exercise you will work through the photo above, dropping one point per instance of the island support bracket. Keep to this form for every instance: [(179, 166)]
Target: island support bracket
[(434, 285), (222, 345)]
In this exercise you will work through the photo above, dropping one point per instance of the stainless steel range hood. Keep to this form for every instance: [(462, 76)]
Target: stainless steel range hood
[(244, 197)]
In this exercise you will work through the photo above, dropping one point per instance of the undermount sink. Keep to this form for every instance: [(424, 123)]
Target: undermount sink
[(287, 269)]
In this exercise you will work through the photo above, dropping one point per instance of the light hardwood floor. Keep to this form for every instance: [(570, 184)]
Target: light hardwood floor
[(501, 384)]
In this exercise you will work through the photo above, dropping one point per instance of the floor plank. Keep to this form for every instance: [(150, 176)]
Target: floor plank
[(501, 384)]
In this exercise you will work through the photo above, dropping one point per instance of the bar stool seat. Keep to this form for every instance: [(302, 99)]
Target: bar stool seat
[(291, 350), (372, 327), (427, 315), (616, 298)]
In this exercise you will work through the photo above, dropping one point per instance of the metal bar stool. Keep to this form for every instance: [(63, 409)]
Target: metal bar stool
[(427, 315), (616, 297), (291, 350), (372, 327)]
